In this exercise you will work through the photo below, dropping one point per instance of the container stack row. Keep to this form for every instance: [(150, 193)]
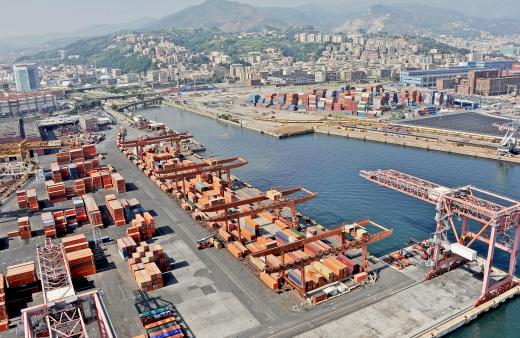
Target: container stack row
[(21, 274), (24, 229), (126, 246), (160, 323), (142, 227), (27, 199), (147, 264), (87, 151), (115, 210), (79, 256), (92, 210)]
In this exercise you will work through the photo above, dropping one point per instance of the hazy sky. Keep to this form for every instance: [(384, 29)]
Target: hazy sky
[(32, 17), (27, 17)]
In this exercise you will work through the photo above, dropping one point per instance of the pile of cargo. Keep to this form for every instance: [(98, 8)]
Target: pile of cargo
[(146, 264), (98, 179), (126, 246), (132, 207), (159, 323), (72, 171), (79, 208), (4, 319), (87, 151), (368, 101), (79, 256), (115, 209), (142, 228), (21, 274), (92, 210), (24, 229), (27, 199), (49, 224), (56, 191), (118, 183), (59, 222)]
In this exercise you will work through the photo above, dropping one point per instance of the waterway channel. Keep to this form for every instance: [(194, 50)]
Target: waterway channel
[(330, 166)]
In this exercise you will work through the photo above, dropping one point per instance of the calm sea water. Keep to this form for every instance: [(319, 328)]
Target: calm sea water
[(330, 165)]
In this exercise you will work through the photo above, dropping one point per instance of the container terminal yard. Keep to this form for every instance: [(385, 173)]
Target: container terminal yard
[(478, 132), (139, 236)]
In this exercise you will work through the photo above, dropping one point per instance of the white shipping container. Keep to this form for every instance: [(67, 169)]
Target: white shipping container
[(464, 251)]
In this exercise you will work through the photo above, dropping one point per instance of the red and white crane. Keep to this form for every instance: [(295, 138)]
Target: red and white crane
[(63, 312), (495, 215)]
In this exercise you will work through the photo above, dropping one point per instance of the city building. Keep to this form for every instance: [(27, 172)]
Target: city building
[(18, 104), (26, 77)]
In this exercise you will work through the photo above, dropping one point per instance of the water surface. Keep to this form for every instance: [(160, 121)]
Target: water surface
[(330, 166)]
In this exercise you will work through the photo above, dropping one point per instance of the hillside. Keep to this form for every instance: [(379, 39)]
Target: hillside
[(231, 16), (426, 20)]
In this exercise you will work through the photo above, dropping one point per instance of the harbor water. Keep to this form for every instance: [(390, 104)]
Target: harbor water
[(330, 166)]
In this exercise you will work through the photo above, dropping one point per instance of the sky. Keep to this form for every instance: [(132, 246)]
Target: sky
[(38, 17), (34, 17)]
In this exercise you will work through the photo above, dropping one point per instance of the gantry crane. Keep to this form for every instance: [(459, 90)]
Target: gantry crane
[(24, 165), (273, 200), (507, 145), (172, 137), (63, 312), (181, 172), (350, 239), (495, 214)]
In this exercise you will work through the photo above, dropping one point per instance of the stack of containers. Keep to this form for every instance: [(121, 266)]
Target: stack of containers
[(93, 213), (164, 328), (338, 268), (73, 171), (32, 200), (76, 154), (132, 208), (79, 187), (269, 281), (71, 218), (56, 191), (145, 253), (24, 227), (250, 229), (64, 172), (106, 179), (115, 209), (79, 257), (160, 322), (295, 277), (4, 319), (118, 182), (79, 209), (70, 190), (74, 243), (352, 266), (63, 158), (80, 166), (89, 151), (21, 198), (126, 246), (48, 225), (147, 264), (96, 180), (20, 274), (60, 221), (324, 271), (89, 187), (142, 226)]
